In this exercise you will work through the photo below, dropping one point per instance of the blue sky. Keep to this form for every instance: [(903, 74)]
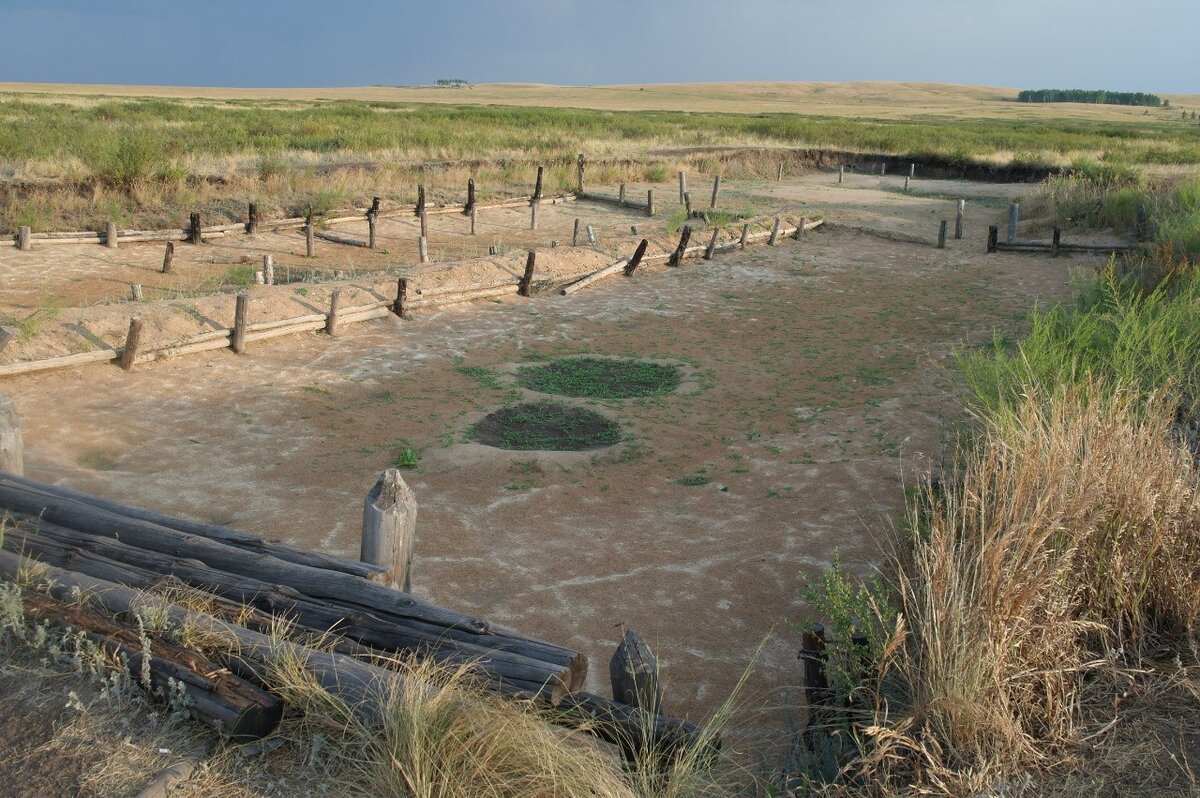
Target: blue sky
[(1151, 45)]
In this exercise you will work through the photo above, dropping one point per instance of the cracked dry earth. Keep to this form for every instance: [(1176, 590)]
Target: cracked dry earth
[(824, 382)]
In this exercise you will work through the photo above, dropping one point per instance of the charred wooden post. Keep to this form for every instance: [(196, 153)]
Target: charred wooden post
[(168, 257), (400, 306), (237, 340), (649, 202), (1014, 215), (775, 231), (110, 234), (470, 206), (716, 190), (745, 236), (372, 220), (636, 260), (390, 528), (419, 210), (813, 656), (331, 322), (959, 212), (23, 234), (309, 235), (682, 185), (677, 255), (133, 340), (12, 449), (941, 244), (1056, 242), (268, 270), (195, 233), (537, 186), (523, 287), (712, 244), (993, 238), (252, 218), (633, 673), (580, 164), (423, 249)]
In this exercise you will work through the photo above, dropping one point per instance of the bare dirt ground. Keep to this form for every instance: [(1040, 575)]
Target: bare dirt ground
[(823, 386)]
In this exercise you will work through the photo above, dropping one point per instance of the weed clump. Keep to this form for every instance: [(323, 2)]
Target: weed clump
[(600, 378), (546, 426)]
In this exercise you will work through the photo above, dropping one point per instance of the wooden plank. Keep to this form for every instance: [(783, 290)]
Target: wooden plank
[(595, 276)]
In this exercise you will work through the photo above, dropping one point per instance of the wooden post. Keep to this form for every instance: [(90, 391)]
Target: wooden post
[(474, 219), (800, 229), (687, 205), (775, 232), (1141, 227), (649, 202), (1056, 242), (638, 254), (527, 278), (133, 340), (252, 219), (389, 528), (912, 170), (400, 306), (335, 300), (841, 173), (579, 173), (1014, 215), (716, 190), (779, 177), (424, 223), (240, 311), (712, 244), (745, 235), (135, 292), (882, 168), (470, 206), (682, 185), (23, 233), (941, 244), (533, 211), (110, 234), (812, 654), (958, 219), (419, 210), (168, 257), (633, 673), (12, 449), (575, 235), (423, 249), (677, 255), (591, 234), (309, 237), (372, 218), (537, 187), (993, 236), (268, 270), (906, 179), (195, 234), (621, 195)]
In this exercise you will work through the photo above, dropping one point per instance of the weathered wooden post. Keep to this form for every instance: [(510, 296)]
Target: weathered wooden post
[(523, 287), (958, 219), (712, 244), (400, 306), (638, 254), (687, 205), (745, 236), (237, 341), (633, 673), (906, 179), (309, 235), (682, 185), (7, 334), (537, 186), (533, 212), (474, 219), (912, 170), (23, 234), (841, 173), (195, 233), (110, 234), (580, 163), (882, 168), (470, 206), (372, 219), (993, 238), (775, 232), (268, 270), (419, 210), (716, 190), (1014, 215), (133, 340), (621, 196), (575, 235), (335, 301), (649, 202), (779, 177), (424, 223), (12, 449), (252, 218), (135, 292), (168, 257), (591, 234), (389, 529), (941, 244), (1056, 242), (423, 249), (800, 229), (677, 256), (812, 655)]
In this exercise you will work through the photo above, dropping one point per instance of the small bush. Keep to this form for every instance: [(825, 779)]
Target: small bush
[(409, 458)]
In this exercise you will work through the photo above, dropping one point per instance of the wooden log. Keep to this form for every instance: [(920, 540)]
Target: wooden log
[(580, 163), (636, 260), (195, 231), (331, 322), (217, 698), (1014, 215), (677, 256), (336, 239), (682, 185), (775, 232), (135, 292), (716, 190), (110, 234), (23, 237), (633, 672), (237, 341), (309, 242), (649, 202), (389, 528), (252, 218), (537, 187), (745, 235), (12, 449), (423, 249), (133, 340), (168, 257), (65, 361), (633, 730), (959, 211), (712, 244), (523, 287), (7, 334), (466, 295), (399, 307), (595, 276), (993, 235), (1056, 243), (575, 234), (941, 239), (219, 534)]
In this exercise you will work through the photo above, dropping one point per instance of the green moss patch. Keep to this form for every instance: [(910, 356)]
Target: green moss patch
[(600, 378), (546, 426)]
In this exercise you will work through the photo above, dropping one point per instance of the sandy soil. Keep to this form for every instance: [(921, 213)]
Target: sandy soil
[(823, 382)]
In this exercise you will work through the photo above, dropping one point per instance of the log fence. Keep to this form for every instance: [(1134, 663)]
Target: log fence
[(1055, 246)]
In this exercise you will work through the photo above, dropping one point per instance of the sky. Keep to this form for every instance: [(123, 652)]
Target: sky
[(1147, 45)]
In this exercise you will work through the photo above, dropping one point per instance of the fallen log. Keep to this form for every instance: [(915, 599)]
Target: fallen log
[(66, 361), (595, 276), (465, 296), (350, 242), (633, 729)]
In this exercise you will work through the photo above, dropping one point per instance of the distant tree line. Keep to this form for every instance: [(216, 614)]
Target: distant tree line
[(1085, 96), (453, 83)]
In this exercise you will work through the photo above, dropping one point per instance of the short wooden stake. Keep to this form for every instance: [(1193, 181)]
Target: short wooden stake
[(537, 186), (687, 205), (523, 287), (775, 232), (906, 179), (533, 212), (168, 257), (470, 206), (958, 219), (649, 202), (259, 278), (841, 173), (716, 190), (419, 210), (993, 236), (310, 244), (682, 185), (423, 249), (424, 223), (941, 244), (195, 233), (23, 233), (1014, 215), (638, 254), (912, 170), (240, 312), (812, 655), (745, 236), (1056, 243), (799, 234), (372, 216), (633, 673), (389, 528), (133, 340), (474, 219), (331, 321), (677, 256), (12, 449), (712, 244), (882, 168), (591, 234), (400, 306), (252, 218), (779, 177), (135, 292), (621, 195), (575, 235), (110, 235), (579, 165), (268, 270)]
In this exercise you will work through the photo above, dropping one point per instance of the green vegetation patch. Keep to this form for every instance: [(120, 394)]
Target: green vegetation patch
[(600, 378), (546, 426)]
